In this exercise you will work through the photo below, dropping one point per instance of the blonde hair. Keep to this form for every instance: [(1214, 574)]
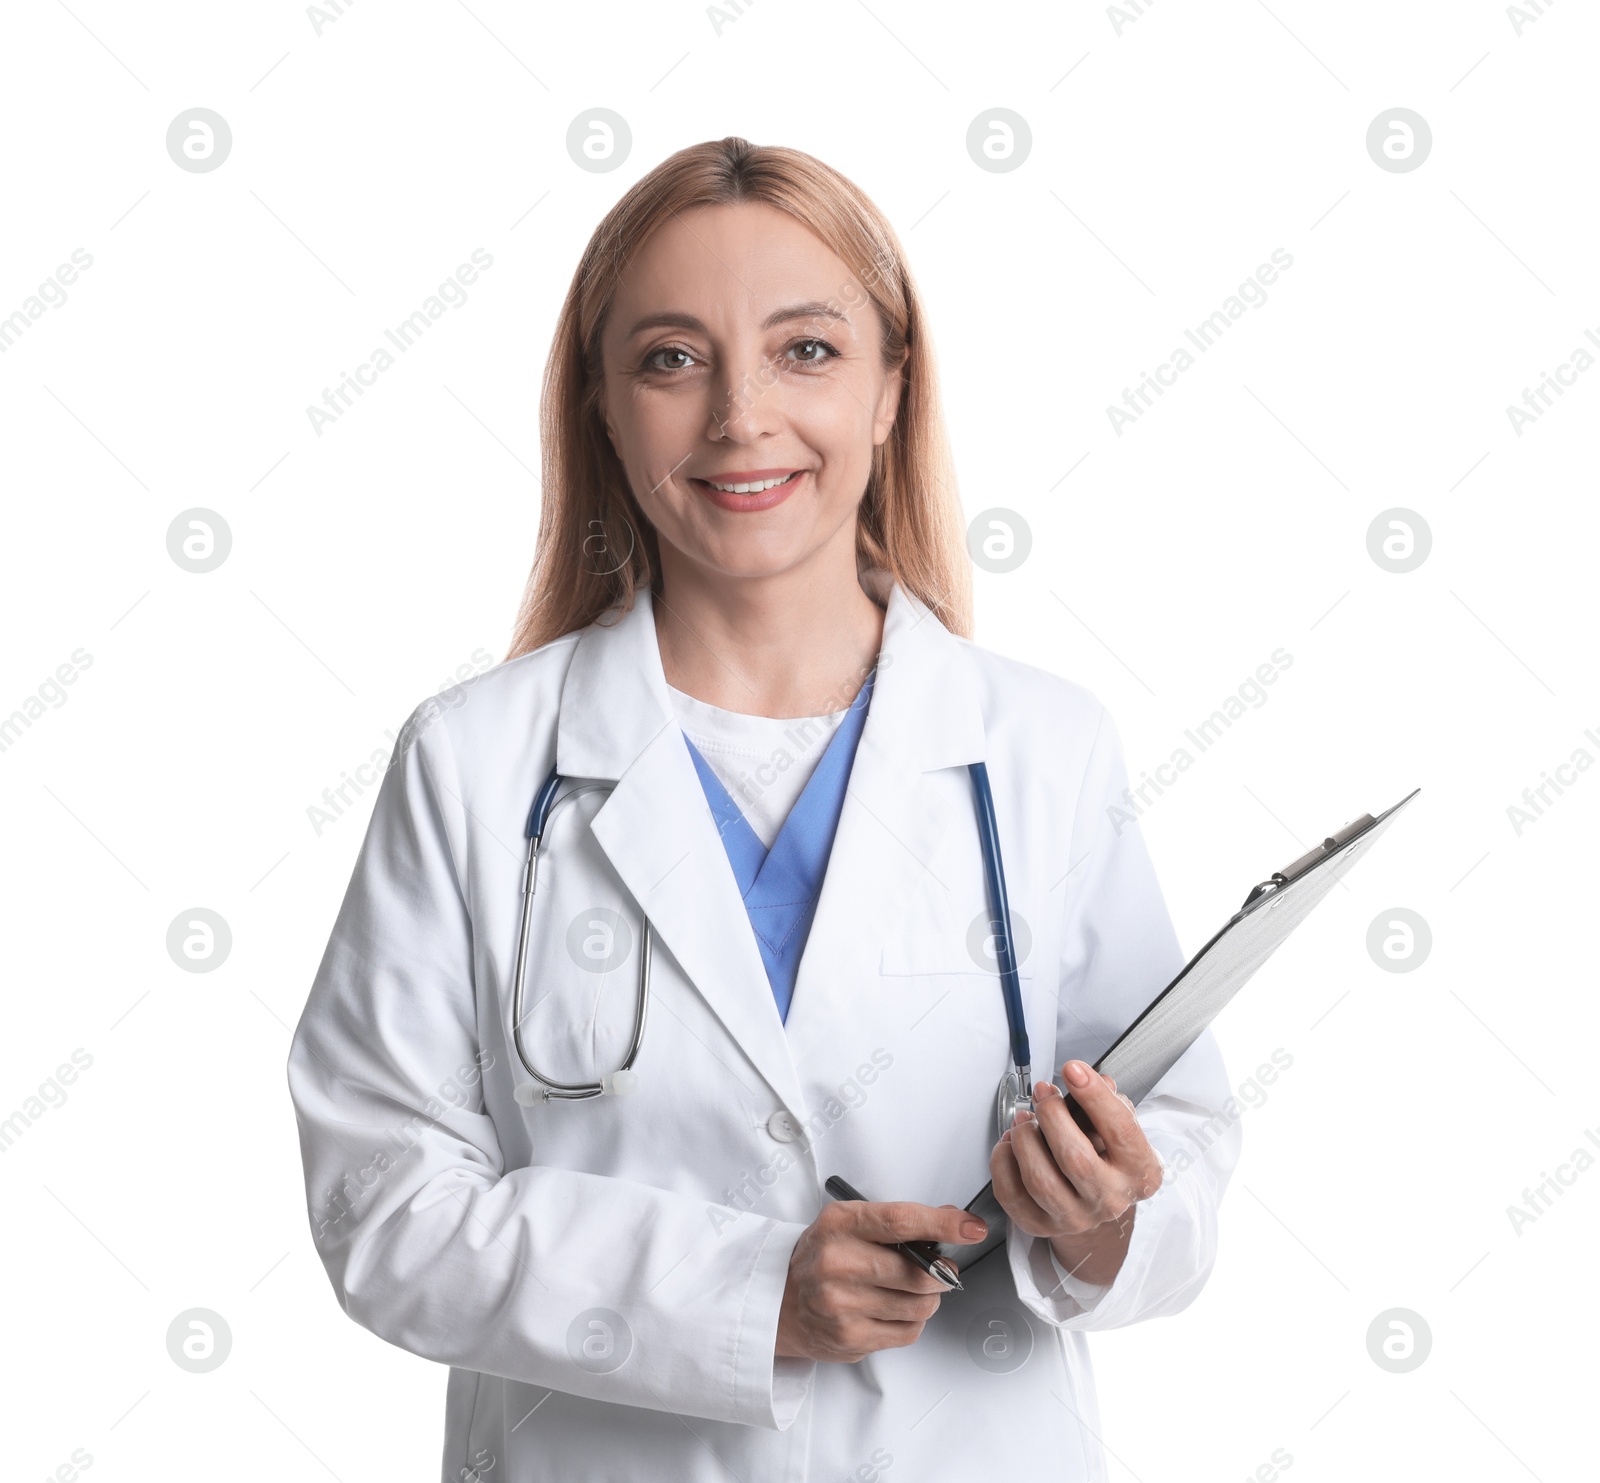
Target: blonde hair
[(595, 549)]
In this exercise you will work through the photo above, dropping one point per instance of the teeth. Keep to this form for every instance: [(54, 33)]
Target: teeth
[(754, 487)]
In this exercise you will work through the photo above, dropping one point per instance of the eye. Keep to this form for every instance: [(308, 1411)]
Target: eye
[(653, 361), (812, 352)]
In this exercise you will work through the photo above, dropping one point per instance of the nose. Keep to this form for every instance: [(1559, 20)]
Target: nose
[(744, 398)]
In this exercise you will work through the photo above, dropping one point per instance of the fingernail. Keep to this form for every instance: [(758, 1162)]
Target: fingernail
[(1045, 1089), (974, 1230), (1077, 1073)]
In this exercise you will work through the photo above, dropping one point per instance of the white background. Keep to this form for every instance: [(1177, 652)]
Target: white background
[(370, 562)]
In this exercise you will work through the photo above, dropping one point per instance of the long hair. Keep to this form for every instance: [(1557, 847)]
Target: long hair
[(595, 548)]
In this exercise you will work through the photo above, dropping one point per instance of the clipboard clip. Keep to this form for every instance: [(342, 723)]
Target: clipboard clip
[(1297, 868)]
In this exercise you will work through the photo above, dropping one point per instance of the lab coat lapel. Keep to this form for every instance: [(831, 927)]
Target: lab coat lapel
[(925, 715), (658, 833)]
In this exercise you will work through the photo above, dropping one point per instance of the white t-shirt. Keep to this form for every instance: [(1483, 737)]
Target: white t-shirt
[(764, 762)]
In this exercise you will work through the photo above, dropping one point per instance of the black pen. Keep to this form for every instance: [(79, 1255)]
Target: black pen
[(924, 1253)]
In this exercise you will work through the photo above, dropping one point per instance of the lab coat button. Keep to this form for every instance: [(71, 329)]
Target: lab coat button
[(783, 1126)]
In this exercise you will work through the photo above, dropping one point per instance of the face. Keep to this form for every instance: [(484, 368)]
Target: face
[(745, 391)]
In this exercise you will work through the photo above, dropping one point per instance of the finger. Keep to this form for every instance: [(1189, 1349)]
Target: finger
[(1012, 1192), (891, 1221), (1112, 1115), (894, 1272), (868, 1265), (868, 1336), (848, 1342), (1130, 1169), (890, 1305), (1092, 1178), (850, 1279), (1122, 1097), (1055, 1188)]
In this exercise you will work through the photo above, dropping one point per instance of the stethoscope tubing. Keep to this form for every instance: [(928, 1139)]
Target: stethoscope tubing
[(545, 804), (1000, 915), (1015, 1088)]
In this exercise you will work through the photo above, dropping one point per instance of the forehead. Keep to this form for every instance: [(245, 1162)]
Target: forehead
[(726, 262)]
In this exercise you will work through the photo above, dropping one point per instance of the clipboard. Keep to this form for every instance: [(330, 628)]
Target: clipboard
[(1203, 987)]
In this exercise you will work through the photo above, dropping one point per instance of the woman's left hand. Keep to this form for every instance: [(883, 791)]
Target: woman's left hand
[(1053, 1181)]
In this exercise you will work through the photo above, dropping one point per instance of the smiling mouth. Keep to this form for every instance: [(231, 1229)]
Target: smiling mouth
[(751, 486)]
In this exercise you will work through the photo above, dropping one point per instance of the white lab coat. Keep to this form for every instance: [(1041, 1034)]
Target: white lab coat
[(604, 1277)]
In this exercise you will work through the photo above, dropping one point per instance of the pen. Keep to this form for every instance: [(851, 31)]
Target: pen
[(924, 1253)]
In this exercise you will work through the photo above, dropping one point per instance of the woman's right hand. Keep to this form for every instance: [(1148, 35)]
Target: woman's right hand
[(850, 1293)]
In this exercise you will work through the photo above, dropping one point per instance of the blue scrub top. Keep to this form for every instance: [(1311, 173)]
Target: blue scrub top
[(781, 886)]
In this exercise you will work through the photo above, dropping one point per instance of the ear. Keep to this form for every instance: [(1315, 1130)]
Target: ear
[(888, 407)]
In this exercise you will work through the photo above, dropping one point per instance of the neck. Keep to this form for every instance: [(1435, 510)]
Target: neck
[(798, 643)]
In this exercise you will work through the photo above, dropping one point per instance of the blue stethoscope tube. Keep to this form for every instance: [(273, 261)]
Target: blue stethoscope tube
[(1015, 1093), (543, 802), (1016, 1087), (1000, 913)]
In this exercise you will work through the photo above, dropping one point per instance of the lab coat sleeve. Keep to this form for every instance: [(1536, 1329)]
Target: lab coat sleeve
[(1118, 951), (542, 1275)]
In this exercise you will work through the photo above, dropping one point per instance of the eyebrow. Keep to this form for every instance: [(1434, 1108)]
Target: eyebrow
[(816, 309), (676, 319)]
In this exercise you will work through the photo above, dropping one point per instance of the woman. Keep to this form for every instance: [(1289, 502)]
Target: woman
[(747, 617)]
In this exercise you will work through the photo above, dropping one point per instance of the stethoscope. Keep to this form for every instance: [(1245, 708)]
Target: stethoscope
[(624, 1080), (1015, 1092)]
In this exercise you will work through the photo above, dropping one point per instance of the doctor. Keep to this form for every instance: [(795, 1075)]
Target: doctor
[(747, 619)]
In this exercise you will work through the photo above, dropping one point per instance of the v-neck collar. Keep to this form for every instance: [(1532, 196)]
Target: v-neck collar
[(780, 885), (616, 724)]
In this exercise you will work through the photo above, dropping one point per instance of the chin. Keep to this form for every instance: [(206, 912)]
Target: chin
[(747, 565)]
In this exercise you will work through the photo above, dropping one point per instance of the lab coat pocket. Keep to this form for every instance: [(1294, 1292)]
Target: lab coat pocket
[(938, 937), (940, 971)]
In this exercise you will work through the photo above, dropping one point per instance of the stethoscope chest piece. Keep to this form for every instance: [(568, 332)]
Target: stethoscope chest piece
[(1014, 1095), (613, 1084)]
